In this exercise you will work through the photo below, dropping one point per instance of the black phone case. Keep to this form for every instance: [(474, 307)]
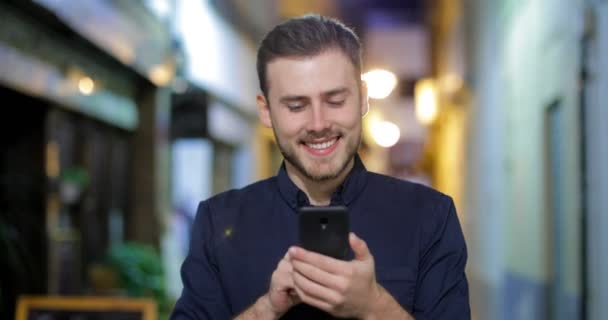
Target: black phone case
[(325, 230)]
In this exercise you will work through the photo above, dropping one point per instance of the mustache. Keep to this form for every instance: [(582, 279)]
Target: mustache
[(315, 135)]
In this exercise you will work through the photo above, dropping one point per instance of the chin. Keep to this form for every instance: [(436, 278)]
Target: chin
[(325, 171), (322, 175), (318, 169)]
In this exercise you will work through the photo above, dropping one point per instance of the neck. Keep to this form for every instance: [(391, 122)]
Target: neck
[(318, 192)]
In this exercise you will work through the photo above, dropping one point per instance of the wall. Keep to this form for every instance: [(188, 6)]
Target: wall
[(219, 59), (522, 189), (541, 69), (596, 130)]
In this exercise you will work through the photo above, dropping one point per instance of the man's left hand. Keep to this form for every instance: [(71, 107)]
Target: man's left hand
[(341, 288)]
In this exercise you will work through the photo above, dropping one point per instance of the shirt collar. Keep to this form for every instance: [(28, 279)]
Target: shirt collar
[(344, 195)]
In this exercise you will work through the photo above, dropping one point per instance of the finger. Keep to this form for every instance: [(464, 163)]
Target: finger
[(319, 276), (316, 290), (329, 264), (359, 247), (284, 267), (285, 263), (314, 294), (282, 276), (320, 304), (281, 280)]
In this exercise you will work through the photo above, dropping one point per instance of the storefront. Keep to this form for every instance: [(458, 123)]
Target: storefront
[(82, 143)]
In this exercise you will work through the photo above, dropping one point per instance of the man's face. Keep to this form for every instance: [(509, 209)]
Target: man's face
[(314, 107)]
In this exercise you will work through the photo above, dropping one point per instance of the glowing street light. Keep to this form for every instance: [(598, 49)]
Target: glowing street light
[(385, 133), (426, 101), (380, 83), (86, 85), (161, 74)]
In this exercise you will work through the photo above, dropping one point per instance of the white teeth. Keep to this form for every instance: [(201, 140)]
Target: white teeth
[(320, 146)]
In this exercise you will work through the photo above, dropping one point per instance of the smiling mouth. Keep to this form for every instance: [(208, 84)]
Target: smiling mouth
[(322, 147)]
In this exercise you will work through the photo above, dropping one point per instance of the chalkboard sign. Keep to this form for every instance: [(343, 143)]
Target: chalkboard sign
[(85, 308)]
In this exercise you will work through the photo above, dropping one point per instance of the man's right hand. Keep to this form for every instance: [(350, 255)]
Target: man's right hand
[(282, 295)]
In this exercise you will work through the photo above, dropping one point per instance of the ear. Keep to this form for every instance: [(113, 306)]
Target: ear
[(263, 110), (364, 99)]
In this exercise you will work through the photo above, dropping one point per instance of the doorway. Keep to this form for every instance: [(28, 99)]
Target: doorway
[(22, 199)]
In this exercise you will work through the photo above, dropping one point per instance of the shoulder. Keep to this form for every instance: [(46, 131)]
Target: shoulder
[(421, 205), (254, 192), (404, 190), (227, 205), (432, 211)]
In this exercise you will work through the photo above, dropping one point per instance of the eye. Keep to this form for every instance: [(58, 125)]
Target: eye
[(336, 103), (295, 107)]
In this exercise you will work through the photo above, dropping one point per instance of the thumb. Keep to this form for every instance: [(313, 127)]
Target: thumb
[(359, 247)]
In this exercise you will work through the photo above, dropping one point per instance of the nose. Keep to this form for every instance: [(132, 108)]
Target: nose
[(318, 119)]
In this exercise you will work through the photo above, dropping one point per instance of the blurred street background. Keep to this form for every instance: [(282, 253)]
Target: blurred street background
[(119, 116)]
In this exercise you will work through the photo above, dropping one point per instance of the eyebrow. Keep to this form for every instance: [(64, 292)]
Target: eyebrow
[(288, 99), (330, 93), (334, 92)]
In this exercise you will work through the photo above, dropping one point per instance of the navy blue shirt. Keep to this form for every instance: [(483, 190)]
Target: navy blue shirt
[(239, 237)]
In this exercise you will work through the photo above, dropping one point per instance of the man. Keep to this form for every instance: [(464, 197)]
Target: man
[(408, 252)]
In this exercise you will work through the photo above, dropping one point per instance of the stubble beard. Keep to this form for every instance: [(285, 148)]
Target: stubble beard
[(291, 157)]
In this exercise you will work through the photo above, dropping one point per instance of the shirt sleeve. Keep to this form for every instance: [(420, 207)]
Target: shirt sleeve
[(202, 296), (441, 289)]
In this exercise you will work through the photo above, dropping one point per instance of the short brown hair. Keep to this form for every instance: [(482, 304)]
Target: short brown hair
[(304, 36)]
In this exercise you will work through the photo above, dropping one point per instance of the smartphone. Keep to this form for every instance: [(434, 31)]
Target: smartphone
[(325, 230)]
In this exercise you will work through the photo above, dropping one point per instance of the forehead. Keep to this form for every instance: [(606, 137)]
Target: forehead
[(310, 75)]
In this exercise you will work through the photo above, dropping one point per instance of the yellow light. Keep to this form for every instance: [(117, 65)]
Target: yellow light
[(426, 101), (52, 160), (380, 83), (227, 232), (161, 74), (86, 85), (451, 83), (385, 133)]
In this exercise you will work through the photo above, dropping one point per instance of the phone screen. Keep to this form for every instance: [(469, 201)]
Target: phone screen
[(325, 230)]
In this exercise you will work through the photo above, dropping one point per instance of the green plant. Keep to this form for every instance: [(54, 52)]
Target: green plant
[(140, 272)]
